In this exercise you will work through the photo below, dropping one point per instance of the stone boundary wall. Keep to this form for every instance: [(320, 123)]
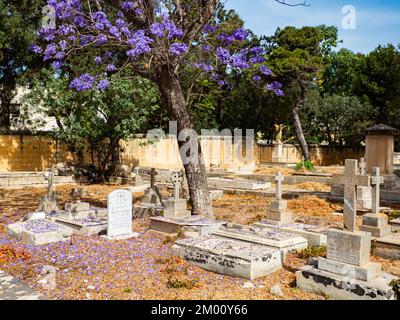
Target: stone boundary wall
[(24, 153), (320, 155)]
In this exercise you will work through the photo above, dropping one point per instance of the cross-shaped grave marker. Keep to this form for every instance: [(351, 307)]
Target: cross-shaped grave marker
[(48, 176), (177, 179), (279, 178), (153, 174), (352, 180), (363, 166), (376, 181)]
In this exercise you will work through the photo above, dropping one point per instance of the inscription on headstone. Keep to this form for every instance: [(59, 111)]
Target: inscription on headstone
[(119, 214)]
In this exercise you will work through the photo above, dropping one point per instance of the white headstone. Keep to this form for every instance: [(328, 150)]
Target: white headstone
[(119, 214)]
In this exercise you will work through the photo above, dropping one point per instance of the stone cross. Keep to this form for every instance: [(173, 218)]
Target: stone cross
[(177, 179), (351, 181), (376, 181), (363, 166), (153, 175), (279, 179), (49, 177)]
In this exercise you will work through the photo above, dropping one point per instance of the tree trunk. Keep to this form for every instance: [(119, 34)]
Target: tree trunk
[(171, 92), (5, 107), (298, 126)]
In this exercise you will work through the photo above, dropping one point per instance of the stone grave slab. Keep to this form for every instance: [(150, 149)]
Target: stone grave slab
[(87, 227), (343, 287), (194, 224), (229, 257), (216, 194), (238, 184), (315, 235), (38, 232), (273, 238)]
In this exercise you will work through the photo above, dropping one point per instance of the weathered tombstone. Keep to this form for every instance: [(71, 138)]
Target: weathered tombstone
[(119, 215), (48, 203), (76, 207), (176, 207), (375, 222), (278, 212), (152, 195)]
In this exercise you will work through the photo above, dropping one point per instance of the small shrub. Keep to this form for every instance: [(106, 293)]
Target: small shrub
[(313, 252), (180, 234), (306, 165), (395, 284), (181, 283), (393, 215)]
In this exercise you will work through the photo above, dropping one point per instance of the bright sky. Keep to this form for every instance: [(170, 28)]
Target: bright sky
[(376, 22)]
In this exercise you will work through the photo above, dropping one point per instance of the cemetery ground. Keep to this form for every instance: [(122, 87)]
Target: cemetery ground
[(144, 268)]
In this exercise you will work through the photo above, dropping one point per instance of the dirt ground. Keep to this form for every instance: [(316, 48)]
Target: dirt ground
[(143, 268)]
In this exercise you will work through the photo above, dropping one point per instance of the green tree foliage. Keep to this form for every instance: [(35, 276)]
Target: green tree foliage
[(338, 120), (19, 22), (99, 119)]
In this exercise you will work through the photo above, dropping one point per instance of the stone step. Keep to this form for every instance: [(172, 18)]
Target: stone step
[(229, 257)]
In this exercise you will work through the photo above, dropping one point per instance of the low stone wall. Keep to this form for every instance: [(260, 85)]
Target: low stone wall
[(32, 179), (320, 155)]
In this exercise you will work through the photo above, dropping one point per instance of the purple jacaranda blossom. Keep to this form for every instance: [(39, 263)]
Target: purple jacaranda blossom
[(57, 64), (265, 70), (203, 66), (240, 34), (63, 45), (40, 226), (127, 5), (206, 48), (83, 82), (35, 48), (98, 60), (179, 48), (223, 55), (111, 67), (103, 84), (256, 78), (239, 61), (208, 28)]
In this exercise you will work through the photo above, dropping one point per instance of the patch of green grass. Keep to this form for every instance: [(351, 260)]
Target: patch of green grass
[(128, 290), (393, 215), (307, 165), (313, 252)]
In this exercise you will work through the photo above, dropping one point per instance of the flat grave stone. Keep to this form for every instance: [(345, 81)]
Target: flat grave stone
[(229, 257), (273, 238), (315, 235), (38, 232), (195, 224)]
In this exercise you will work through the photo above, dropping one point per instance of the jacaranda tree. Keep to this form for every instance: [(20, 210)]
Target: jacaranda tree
[(154, 37)]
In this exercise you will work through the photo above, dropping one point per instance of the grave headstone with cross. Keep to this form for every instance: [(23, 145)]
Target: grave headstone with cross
[(352, 180), (278, 213), (363, 193), (152, 196), (176, 207), (48, 203), (376, 223)]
